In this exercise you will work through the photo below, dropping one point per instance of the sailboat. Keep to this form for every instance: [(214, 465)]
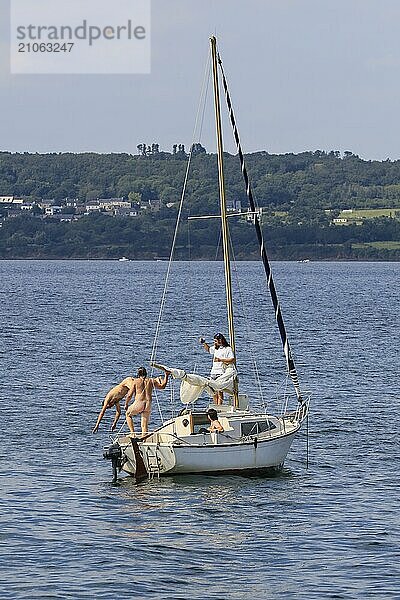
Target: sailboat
[(251, 441)]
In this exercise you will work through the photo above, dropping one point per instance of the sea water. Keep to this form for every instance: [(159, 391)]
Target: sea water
[(72, 329)]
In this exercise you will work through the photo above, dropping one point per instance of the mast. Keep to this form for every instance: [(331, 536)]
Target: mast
[(224, 220)]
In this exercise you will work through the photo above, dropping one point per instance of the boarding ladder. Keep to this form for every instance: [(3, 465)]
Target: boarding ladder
[(153, 461)]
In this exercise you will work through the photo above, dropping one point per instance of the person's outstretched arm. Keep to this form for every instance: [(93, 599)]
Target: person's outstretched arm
[(204, 344), (161, 385), (99, 418)]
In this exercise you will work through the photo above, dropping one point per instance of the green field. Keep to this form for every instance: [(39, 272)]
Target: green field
[(379, 245), (372, 213)]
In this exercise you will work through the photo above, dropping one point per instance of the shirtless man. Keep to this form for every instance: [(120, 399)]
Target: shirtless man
[(143, 389), (113, 398), (215, 425)]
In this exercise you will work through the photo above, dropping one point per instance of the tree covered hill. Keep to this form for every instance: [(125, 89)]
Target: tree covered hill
[(300, 192), (318, 179)]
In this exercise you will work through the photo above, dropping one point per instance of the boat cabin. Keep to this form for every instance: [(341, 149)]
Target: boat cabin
[(192, 428)]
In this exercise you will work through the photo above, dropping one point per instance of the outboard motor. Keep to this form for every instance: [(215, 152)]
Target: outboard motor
[(114, 453)]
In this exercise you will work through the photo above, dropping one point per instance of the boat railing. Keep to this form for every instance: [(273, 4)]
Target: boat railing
[(302, 408), (298, 415)]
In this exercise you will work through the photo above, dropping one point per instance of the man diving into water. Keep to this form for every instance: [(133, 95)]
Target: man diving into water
[(125, 388)]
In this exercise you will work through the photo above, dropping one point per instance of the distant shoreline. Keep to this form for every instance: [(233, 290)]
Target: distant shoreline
[(240, 260)]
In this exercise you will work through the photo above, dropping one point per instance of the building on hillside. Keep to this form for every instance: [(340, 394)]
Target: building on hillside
[(92, 207), (152, 204), (112, 203), (233, 206), (113, 206), (71, 202), (12, 200), (43, 204), (62, 217), (126, 212), (50, 211), (251, 217)]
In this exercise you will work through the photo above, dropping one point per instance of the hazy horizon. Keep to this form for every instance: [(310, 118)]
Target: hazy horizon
[(304, 76)]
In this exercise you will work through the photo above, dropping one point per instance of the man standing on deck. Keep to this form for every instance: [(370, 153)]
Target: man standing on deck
[(142, 388), (113, 398)]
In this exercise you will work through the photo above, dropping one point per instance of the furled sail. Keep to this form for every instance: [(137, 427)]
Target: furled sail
[(192, 384), (270, 282)]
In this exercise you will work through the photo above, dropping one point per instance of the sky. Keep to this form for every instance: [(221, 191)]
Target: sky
[(304, 75)]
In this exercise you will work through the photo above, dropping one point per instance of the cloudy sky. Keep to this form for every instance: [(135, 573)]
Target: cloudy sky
[(304, 75)]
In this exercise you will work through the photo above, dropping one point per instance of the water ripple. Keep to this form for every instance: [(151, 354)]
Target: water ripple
[(327, 532)]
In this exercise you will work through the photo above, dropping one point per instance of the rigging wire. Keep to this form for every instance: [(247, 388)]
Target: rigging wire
[(285, 395), (178, 219), (203, 103), (172, 398), (307, 442), (218, 245), (190, 278), (207, 77)]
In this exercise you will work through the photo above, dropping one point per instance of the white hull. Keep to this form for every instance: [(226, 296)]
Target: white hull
[(164, 454), (267, 454)]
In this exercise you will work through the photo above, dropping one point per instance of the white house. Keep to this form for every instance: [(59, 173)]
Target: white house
[(93, 206), (10, 200), (52, 210)]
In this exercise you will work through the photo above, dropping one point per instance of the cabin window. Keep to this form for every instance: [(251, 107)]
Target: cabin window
[(255, 427), (200, 421), (249, 428), (265, 426)]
